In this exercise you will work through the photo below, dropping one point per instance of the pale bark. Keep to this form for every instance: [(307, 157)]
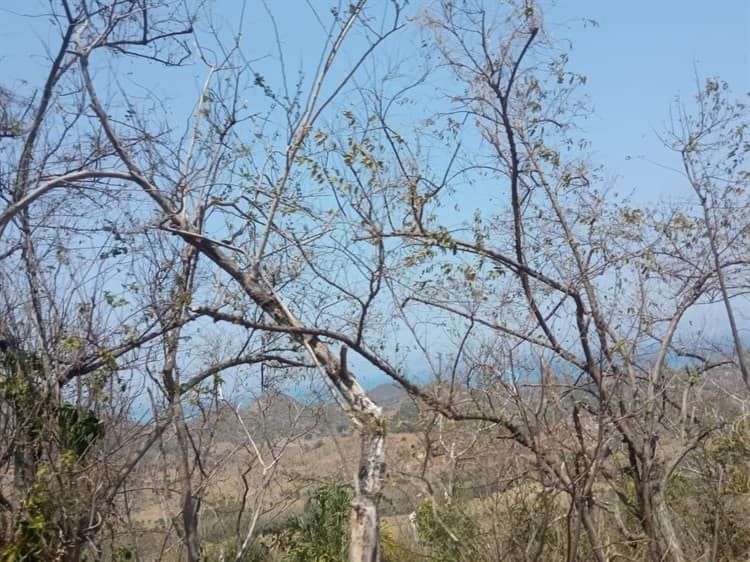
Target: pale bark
[(656, 522), (664, 531), (368, 416), (364, 545), (365, 413), (190, 502)]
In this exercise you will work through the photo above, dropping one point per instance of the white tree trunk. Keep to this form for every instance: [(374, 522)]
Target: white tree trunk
[(364, 539)]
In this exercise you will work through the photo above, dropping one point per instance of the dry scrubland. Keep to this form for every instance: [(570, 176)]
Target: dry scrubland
[(451, 492), (196, 195)]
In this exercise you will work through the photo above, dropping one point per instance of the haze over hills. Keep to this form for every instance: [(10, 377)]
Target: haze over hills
[(276, 413)]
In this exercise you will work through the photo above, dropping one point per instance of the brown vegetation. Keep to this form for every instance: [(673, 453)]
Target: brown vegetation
[(300, 232)]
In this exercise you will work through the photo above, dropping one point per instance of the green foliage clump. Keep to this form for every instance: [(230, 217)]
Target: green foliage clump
[(50, 440), (448, 532), (319, 534), (731, 450), (79, 429), (712, 499), (406, 419)]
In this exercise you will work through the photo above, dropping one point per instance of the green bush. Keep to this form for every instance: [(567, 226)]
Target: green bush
[(319, 534), (448, 532)]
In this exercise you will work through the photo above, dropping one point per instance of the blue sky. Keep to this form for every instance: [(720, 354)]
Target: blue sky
[(639, 57), (642, 55)]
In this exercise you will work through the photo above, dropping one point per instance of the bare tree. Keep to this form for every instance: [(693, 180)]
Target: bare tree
[(316, 223), (710, 142), (259, 256), (562, 297)]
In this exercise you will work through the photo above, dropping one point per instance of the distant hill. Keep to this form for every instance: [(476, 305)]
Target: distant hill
[(273, 414), (387, 395)]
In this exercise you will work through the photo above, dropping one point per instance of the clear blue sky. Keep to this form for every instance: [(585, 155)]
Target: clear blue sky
[(642, 55), (639, 57)]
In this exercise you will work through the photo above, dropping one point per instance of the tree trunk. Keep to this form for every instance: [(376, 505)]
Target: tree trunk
[(573, 530), (190, 503), (656, 522), (665, 535), (593, 535), (364, 540)]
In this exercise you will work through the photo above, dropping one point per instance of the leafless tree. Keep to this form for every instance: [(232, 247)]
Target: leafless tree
[(318, 222), (567, 304), (206, 181)]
